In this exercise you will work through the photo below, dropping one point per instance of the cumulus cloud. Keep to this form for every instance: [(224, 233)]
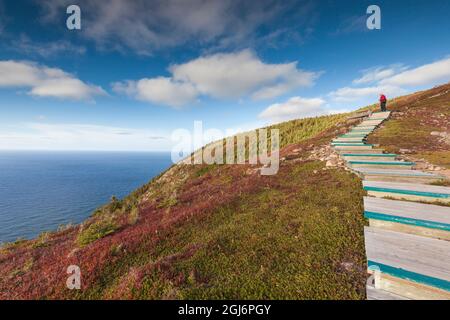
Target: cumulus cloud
[(378, 73), (43, 81), (148, 25), (427, 74), (295, 107), (393, 81), (349, 94), (161, 90), (223, 76)]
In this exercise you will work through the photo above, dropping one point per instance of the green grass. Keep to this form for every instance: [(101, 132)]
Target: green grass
[(95, 231), (286, 242), (441, 183), (290, 132), (439, 158), (296, 131), (404, 133)]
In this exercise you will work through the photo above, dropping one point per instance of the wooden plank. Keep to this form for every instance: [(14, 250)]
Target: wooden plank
[(395, 165), (338, 140), (357, 147), (379, 166), (409, 289), (410, 257), (393, 172), (346, 151), (359, 130), (409, 191), (378, 294), (354, 135), (409, 210), (368, 157), (383, 155), (408, 217), (350, 144), (419, 189), (381, 113), (364, 127), (411, 229), (389, 165), (371, 123), (396, 178)]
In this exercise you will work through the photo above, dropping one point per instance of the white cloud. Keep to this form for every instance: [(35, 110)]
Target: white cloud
[(145, 26), (66, 136), (393, 81), (349, 94), (236, 74), (223, 76), (25, 45), (159, 90), (43, 81), (376, 74), (295, 107), (428, 74), (350, 25)]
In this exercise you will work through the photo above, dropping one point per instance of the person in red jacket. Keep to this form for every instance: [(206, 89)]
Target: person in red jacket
[(383, 102)]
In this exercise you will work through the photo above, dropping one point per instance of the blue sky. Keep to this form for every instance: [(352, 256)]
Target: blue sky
[(137, 70)]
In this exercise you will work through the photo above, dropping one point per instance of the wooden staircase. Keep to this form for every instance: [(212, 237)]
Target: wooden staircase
[(408, 237)]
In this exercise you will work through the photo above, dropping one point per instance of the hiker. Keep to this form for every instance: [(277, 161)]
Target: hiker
[(383, 102)]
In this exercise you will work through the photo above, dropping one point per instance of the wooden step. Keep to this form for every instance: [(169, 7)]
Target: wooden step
[(390, 175), (365, 132), (344, 140), (374, 164), (408, 191), (409, 217), (353, 135), (354, 138), (350, 144), (361, 130), (363, 127), (368, 156), (370, 123), (416, 261), (378, 294), (368, 151), (352, 147), (381, 114), (399, 287)]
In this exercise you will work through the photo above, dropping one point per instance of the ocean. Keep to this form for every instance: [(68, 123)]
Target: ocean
[(40, 191)]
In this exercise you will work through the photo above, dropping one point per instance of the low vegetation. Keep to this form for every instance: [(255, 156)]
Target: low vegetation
[(223, 231), (416, 124)]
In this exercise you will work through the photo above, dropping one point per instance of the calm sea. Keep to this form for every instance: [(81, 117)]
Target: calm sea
[(41, 190)]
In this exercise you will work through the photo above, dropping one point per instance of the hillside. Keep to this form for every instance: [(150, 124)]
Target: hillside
[(225, 231)]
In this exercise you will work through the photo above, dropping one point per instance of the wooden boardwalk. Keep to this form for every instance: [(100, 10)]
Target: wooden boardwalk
[(408, 238)]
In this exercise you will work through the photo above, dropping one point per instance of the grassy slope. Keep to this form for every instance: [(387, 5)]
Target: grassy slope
[(416, 117), (213, 232)]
